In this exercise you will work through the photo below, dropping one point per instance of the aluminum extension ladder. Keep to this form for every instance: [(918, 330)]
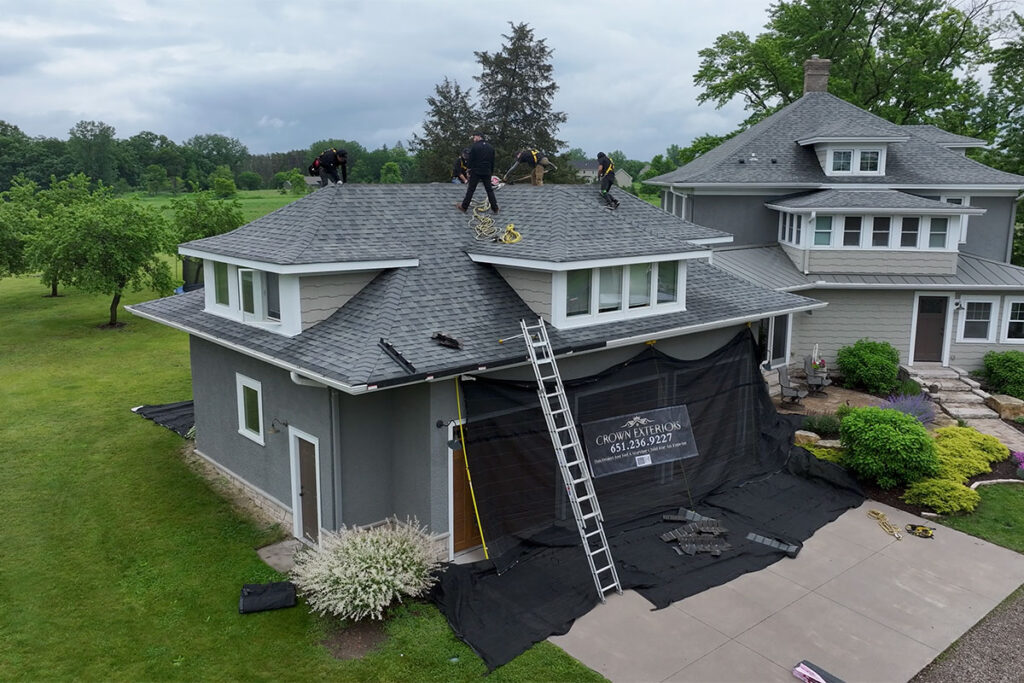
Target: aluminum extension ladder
[(575, 472)]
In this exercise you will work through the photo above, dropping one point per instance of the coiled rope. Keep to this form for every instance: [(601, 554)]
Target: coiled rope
[(887, 526), (484, 229)]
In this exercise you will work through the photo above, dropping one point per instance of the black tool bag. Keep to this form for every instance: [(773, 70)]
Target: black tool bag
[(260, 597)]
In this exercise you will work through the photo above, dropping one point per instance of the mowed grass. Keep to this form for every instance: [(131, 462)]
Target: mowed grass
[(999, 517), (255, 203), (117, 562)]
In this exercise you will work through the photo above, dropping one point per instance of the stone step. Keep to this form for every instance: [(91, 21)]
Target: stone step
[(969, 411), (945, 386), (958, 397), (933, 373)]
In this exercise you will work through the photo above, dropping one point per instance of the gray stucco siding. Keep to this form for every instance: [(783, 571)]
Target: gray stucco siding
[(322, 295), (266, 467), (851, 315), (989, 235), (533, 287)]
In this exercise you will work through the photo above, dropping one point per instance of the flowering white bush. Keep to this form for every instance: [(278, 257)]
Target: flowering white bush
[(357, 573)]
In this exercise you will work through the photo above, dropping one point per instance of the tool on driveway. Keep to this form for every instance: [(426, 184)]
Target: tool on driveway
[(887, 526), (921, 531)]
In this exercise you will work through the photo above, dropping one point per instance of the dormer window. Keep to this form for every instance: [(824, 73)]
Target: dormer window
[(855, 161), (260, 295), (594, 295)]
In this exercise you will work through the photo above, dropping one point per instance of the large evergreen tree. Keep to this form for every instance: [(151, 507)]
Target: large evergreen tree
[(516, 91), (450, 119)]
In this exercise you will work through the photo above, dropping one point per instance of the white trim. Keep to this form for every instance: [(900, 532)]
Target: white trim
[(821, 284), (1004, 327), (293, 451), (947, 330), (562, 321), (242, 382), (773, 188), (993, 321), (852, 140), (301, 268), (966, 211), (583, 264), (712, 240)]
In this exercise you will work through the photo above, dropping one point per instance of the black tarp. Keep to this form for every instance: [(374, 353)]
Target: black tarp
[(178, 417), (747, 475)]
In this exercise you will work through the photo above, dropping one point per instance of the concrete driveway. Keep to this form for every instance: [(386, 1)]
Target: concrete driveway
[(855, 601)]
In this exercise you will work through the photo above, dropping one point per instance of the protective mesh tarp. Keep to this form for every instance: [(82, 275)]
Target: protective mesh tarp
[(746, 475)]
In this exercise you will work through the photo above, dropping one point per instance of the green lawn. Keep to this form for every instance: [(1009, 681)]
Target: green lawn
[(999, 517), (255, 203), (117, 561)]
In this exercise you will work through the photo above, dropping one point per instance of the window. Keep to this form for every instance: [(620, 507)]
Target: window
[(668, 282), (977, 320), (880, 231), (937, 231), (1014, 320), (220, 283), (823, 231), (639, 285), (273, 293), (247, 287), (842, 160), (610, 298), (851, 231), (798, 222), (908, 233), (577, 292), (259, 295), (250, 408), (869, 161)]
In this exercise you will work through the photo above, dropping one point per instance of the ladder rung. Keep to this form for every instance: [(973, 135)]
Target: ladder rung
[(565, 428), (573, 463), (593, 533), (581, 499), (589, 515), (602, 549), (609, 587), (598, 570), (552, 395), (543, 359), (579, 481)]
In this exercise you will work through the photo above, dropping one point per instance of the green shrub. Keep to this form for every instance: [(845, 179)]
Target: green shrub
[(829, 454), (1004, 372), (907, 387), (825, 425), (964, 452), (942, 495), (842, 411), (887, 447), (357, 573), (871, 365)]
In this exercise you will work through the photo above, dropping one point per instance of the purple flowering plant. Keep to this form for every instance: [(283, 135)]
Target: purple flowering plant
[(1018, 457), (919, 406)]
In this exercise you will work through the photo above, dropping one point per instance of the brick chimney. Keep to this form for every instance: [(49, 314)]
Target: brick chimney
[(816, 74)]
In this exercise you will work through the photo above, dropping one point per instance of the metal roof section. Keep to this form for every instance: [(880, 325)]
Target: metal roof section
[(868, 201), (770, 154), (768, 266)]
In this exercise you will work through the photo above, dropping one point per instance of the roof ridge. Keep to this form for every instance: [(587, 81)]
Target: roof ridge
[(321, 217)]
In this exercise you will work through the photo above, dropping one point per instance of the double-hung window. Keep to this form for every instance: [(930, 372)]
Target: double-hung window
[(1013, 327), (978, 319), (880, 231), (220, 283), (259, 295), (822, 231), (869, 161), (842, 160), (908, 231), (250, 407), (937, 233), (623, 290), (851, 231)]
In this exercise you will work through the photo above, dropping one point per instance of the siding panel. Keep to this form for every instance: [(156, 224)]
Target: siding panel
[(322, 295), (532, 286)]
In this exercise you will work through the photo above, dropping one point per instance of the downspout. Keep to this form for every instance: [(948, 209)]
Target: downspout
[(807, 251), (335, 426)]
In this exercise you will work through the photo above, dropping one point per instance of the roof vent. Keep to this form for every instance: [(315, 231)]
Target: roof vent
[(774, 160), (447, 341), (742, 161)]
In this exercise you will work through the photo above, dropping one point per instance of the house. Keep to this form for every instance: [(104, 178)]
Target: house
[(327, 344), (587, 171), (906, 238)]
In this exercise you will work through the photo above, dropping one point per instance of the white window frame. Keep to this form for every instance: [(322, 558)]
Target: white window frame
[(899, 231), (965, 200), (993, 323), (242, 382), (560, 320), (855, 155), (1004, 326), (949, 230), (860, 236), (871, 232), (831, 232)]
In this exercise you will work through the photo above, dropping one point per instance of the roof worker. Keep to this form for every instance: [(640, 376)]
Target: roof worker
[(606, 174), (460, 170), (330, 161), (538, 163), (481, 168)]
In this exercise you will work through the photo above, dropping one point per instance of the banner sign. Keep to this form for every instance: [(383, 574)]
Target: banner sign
[(628, 442)]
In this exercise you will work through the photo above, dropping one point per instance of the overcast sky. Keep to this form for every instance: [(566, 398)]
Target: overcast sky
[(282, 75)]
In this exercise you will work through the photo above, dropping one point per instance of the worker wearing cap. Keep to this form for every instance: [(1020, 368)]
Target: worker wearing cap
[(538, 163), (330, 161), (481, 168), (459, 169)]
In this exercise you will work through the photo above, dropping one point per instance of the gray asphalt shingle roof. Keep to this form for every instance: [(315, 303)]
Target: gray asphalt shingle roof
[(865, 199), (941, 137), (768, 266), (447, 292), (771, 155)]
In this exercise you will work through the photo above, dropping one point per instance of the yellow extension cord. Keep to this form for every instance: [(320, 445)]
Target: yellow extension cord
[(887, 526), (484, 228), (469, 479)]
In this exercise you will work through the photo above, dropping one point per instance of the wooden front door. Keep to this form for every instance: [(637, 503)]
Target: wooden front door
[(465, 532), (931, 328), (310, 504)]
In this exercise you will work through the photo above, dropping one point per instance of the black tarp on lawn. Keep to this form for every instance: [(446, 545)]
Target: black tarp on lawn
[(178, 417), (746, 475)]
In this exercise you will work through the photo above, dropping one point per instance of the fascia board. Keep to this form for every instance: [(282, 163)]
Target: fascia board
[(563, 266), (959, 210), (911, 285), (852, 140), (302, 268)]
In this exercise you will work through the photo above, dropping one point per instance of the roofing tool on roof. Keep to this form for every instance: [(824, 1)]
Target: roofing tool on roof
[(446, 340), (396, 356)]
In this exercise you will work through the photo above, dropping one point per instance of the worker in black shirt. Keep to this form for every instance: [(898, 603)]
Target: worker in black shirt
[(481, 168), (460, 169), (538, 163), (606, 174), (330, 161)]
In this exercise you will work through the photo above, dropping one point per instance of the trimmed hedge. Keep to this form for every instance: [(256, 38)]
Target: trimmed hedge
[(887, 446), (942, 495), (964, 452), (1004, 372), (870, 364)]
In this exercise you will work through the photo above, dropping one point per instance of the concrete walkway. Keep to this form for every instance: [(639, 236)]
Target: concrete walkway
[(855, 602)]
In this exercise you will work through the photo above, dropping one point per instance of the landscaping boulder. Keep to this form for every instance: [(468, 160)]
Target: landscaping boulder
[(803, 438), (1008, 407)]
